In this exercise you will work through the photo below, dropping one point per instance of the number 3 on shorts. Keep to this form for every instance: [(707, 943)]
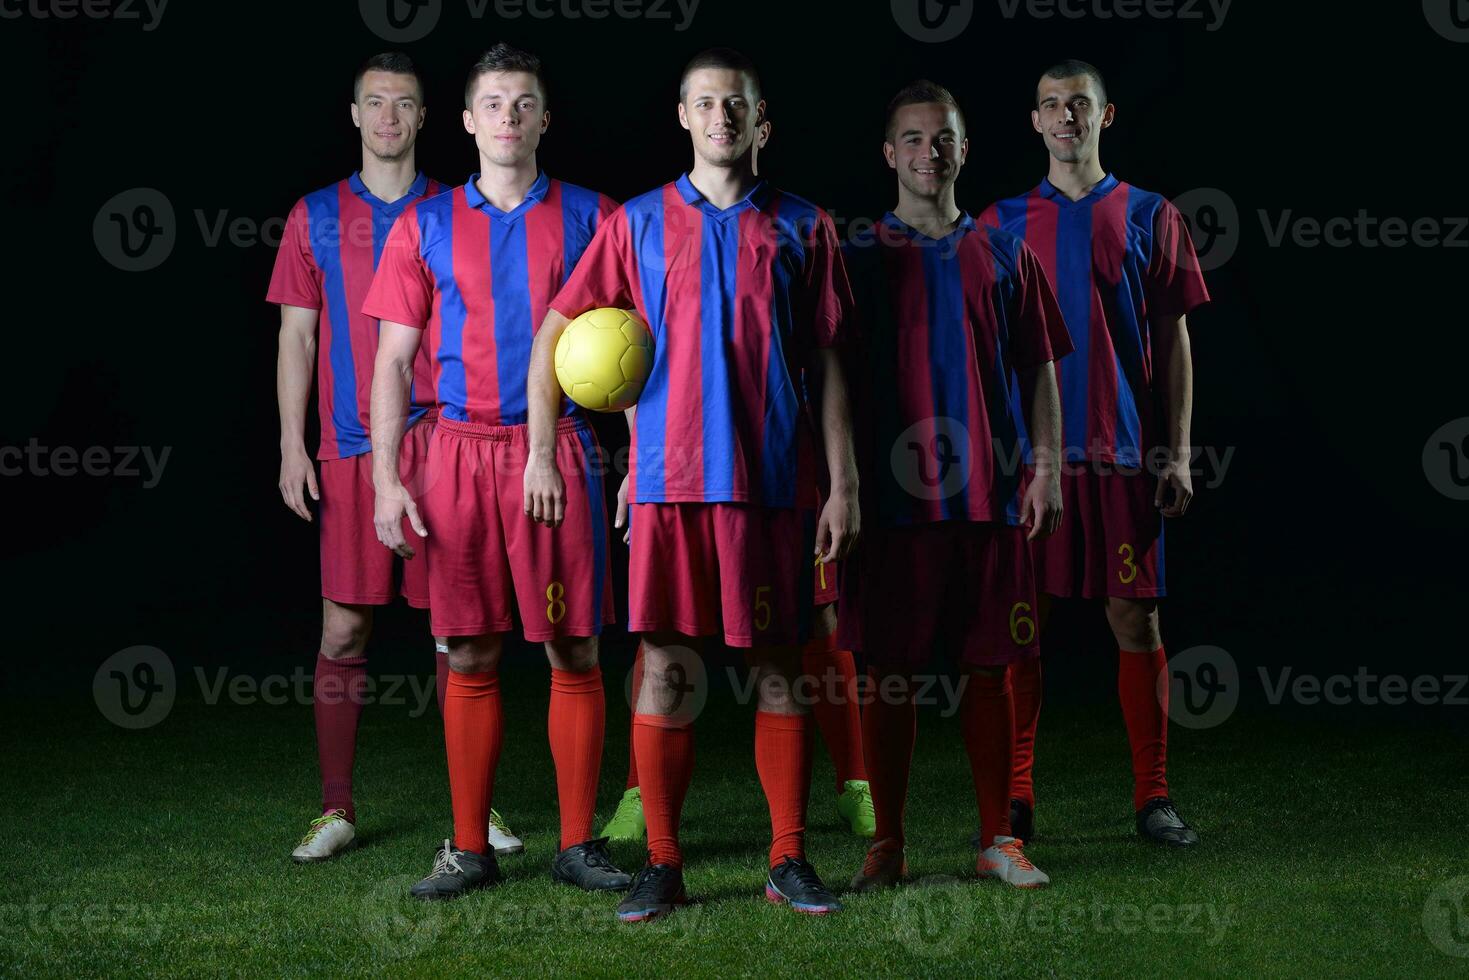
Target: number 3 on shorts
[(762, 607), (1128, 572)]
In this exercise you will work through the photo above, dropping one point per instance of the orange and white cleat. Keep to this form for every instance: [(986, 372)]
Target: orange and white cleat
[(1006, 861)]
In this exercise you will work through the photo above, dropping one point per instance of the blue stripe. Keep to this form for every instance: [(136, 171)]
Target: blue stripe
[(596, 502), (794, 222), (718, 267), (437, 248), (1074, 294), (1141, 210), (1010, 213), (948, 361), (328, 238), (645, 231), (1003, 397), (510, 293), (578, 225)]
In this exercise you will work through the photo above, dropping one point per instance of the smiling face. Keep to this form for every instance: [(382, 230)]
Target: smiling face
[(722, 113), (507, 115), (1070, 116), (389, 112), (927, 148)]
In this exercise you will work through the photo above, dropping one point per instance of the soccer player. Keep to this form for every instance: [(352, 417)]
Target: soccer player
[(1126, 276), (743, 286), (467, 276), (322, 271), (959, 328)]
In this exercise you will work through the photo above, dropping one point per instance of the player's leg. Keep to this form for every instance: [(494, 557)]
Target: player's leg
[(1026, 689), (835, 708), (889, 730), (627, 821)]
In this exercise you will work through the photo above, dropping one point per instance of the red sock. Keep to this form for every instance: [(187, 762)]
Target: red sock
[(1145, 712), (441, 677), (337, 693), (575, 725), (889, 728), (987, 718), (783, 760), (1025, 683), (837, 715), (473, 728), (666, 748), (637, 687)]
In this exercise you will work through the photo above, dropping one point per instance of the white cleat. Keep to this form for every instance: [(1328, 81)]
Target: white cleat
[(501, 839), (1006, 861), (330, 835)]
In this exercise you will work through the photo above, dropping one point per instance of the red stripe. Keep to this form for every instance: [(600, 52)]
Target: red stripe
[(471, 258), (1109, 245), (683, 439), (904, 268), (977, 274), (545, 234), (752, 324), (1040, 235)]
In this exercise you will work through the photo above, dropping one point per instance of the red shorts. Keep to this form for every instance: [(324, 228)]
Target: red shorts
[(954, 591), (737, 569), (827, 582), (356, 568), (1110, 542), (488, 558)]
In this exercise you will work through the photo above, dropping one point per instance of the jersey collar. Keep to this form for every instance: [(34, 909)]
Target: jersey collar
[(964, 227), (535, 195), (415, 190), (1104, 187), (758, 198)]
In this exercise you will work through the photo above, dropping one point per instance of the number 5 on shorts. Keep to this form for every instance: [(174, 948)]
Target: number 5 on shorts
[(762, 607)]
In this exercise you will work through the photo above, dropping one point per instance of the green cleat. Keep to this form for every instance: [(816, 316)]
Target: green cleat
[(854, 803), (628, 823)]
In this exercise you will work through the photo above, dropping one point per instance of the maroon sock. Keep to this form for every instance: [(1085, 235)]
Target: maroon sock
[(1145, 711), (1025, 685), (337, 693), (889, 728), (987, 719)]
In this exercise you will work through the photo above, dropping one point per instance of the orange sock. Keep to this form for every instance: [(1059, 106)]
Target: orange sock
[(473, 729), (889, 728), (783, 760), (1146, 716), (665, 747), (835, 709), (637, 687), (987, 718), (575, 724), (1025, 683)]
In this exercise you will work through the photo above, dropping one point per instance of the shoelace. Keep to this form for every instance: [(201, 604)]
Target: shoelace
[(446, 861), (498, 822), (597, 857), (645, 884), (1011, 849), (1165, 806), (319, 824), (804, 874)]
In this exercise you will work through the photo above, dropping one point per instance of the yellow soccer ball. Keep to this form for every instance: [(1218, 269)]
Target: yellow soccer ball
[(603, 359)]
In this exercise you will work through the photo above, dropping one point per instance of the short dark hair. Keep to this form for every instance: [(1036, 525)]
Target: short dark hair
[(390, 61), (919, 93), (726, 58), (1070, 68), (506, 57)]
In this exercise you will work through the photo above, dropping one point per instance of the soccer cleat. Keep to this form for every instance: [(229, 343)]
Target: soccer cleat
[(329, 835), (796, 882), (885, 867), (501, 839), (457, 873), (655, 890), (854, 803), (1006, 861), (1159, 822), (1022, 820), (589, 867), (627, 823)]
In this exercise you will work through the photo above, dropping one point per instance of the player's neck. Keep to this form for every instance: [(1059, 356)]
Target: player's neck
[(723, 187), (388, 180), (505, 187), (933, 216), (1076, 180)]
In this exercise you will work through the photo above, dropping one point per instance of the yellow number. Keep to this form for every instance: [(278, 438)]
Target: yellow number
[(821, 570), (762, 607), (1129, 570), (555, 609), (1017, 622)]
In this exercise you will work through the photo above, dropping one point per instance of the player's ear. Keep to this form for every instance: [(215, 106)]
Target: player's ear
[(1108, 114), (683, 115), (963, 150), (1035, 121), (545, 120), (469, 122), (356, 116), (890, 154), (760, 113)]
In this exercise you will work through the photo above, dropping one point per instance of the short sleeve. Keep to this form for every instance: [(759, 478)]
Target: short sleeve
[(603, 275), (1039, 331), (402, 289), (829, 300), (1174, 284), (296, 278)]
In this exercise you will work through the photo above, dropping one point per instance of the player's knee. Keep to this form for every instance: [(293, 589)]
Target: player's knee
[(474, 654), (576, 654), (1134, 623), (344, 632)]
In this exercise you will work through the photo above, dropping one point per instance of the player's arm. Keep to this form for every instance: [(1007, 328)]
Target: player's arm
[(629, 413), (545, 491), (392, 378), (1041, 399), (1176, 379), (840, 522), (294, 363)]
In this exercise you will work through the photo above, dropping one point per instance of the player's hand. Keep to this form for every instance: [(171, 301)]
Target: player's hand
[(622, 520), (296, 472), (838, 528), (1174, 481), (545, 493), (391, 504), (1041, 509)]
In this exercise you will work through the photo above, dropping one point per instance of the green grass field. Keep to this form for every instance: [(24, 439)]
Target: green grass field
[(1328, 847)]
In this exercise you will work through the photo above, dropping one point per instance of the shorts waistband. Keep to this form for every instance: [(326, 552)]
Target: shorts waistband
[(505, 433)]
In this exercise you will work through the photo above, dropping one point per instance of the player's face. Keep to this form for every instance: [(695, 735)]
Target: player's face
[(721, 115), (928, 148), (389, 112), (507, 117), (1070, 117)]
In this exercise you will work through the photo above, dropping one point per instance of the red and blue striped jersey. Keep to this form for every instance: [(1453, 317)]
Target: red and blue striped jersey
[(331, 245), (479, 280), (736, 299), (1120, 258), (946, 324)]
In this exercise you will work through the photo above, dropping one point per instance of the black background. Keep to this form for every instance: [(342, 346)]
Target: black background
[(1326, 369)]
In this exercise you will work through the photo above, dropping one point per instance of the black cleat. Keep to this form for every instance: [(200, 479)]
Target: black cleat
[(1158, 821), (589, 866), (656, 890), (796, 882), (1022, 820), (457, 873)]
